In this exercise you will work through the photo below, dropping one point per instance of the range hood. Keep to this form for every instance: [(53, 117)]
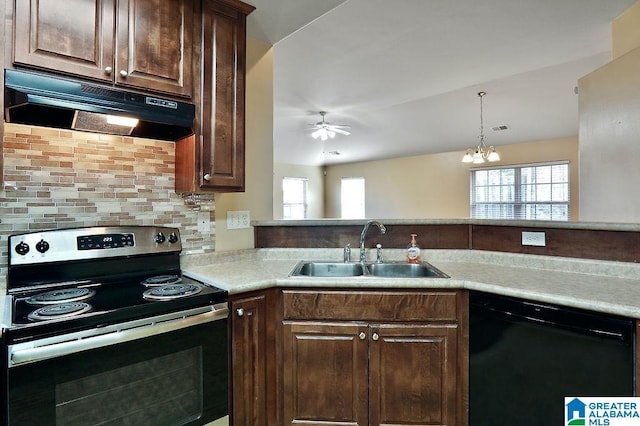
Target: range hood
[(44, 100)]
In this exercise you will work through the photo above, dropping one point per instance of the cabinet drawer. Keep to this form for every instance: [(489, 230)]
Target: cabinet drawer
[(370, 305)]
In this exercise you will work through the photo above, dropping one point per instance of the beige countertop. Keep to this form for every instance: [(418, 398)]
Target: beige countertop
[(611, 287)]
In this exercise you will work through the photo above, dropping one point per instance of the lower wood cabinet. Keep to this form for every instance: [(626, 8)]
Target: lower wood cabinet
[(369, 374), (349, 357), (253, 376), (376, 358), (325, 373)]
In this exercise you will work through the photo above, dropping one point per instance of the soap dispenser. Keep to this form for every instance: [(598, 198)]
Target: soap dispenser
[(413, 250)]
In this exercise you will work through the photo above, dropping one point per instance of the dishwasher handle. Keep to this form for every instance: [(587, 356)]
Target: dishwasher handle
[(607, 326)]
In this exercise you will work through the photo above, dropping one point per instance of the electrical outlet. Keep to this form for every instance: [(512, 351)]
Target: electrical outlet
[(204, 222), (238, 219), (533, 239)]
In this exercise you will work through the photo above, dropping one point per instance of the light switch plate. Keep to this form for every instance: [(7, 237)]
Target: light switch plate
[(533, 239), (238, 219)]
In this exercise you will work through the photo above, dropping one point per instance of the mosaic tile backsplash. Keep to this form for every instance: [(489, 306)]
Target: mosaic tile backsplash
[(57, 179)]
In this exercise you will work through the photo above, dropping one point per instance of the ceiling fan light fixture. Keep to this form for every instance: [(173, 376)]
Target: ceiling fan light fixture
[(325, 130), (482, 152)]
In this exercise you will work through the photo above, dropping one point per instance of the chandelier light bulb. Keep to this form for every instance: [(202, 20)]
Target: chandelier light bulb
[(493, 155), (478, 158)]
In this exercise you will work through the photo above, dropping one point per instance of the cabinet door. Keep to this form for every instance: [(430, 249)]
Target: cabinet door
[(248, 361), (71, 36), (154, 48), (223, 94), (325, 374), (413, 375)]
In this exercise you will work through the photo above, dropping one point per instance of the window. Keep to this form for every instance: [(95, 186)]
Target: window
[(352, 198), (294, 198), (536, 192)]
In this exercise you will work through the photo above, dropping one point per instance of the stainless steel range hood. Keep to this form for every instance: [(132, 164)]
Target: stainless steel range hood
[(43, 100)]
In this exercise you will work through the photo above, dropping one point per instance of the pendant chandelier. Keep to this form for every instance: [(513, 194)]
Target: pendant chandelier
[(482, 152)]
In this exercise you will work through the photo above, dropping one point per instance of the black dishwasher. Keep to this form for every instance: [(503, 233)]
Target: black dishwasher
[(525, 357)]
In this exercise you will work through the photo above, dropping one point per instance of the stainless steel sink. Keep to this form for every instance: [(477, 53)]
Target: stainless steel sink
[(405, 270), (384, 270), (327, 269)]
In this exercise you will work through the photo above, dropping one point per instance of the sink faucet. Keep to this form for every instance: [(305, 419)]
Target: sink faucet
[(363, 255)]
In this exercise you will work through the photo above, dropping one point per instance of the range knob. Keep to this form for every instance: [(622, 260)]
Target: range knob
[(159, 238), (42, 246), (173, 238), (22, 248)]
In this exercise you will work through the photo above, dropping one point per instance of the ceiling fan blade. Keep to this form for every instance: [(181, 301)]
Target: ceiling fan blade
[(342, 132), (327, 129)]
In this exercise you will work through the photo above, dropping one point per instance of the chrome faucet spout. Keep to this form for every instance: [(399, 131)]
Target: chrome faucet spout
[(381, 227)]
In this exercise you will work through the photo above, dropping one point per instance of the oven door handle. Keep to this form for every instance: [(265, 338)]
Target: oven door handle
[(39, 350)]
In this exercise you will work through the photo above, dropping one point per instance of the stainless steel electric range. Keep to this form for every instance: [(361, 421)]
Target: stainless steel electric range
[(100, 327)]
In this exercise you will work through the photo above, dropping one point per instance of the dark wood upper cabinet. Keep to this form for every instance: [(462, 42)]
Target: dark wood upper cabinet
[(142, 44), (154, 46), (214, 158), (74, 36)]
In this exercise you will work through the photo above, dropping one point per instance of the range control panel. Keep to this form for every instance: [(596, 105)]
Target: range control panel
[(91, 243)]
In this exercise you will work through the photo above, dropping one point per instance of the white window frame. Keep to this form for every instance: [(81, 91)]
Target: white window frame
[(292, 203), (352, 197), (526, 192)]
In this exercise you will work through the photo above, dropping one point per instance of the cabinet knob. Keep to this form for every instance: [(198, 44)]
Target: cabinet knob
[(108, 70), (123, 73), (207, 177), (240, 312), (375, 336), (362, 335)]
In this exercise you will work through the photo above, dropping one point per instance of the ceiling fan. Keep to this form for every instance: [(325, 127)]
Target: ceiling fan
[(325, 130)]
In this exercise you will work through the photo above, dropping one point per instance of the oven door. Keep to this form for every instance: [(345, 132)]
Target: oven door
[(164, 371)]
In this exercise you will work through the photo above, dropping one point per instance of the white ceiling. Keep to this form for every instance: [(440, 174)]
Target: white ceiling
[(404, 74)]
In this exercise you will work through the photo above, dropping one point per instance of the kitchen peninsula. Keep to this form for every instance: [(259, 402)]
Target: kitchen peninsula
[(263, 293)]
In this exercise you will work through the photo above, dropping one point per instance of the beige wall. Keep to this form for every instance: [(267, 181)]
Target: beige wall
[(259, 152), (609, 106), (437, 186), (315, 188), (625, 31), (609, 111)]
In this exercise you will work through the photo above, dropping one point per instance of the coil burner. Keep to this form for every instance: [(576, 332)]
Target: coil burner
[(161, 280), (59, 310), (171, 291), (60, 296)]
